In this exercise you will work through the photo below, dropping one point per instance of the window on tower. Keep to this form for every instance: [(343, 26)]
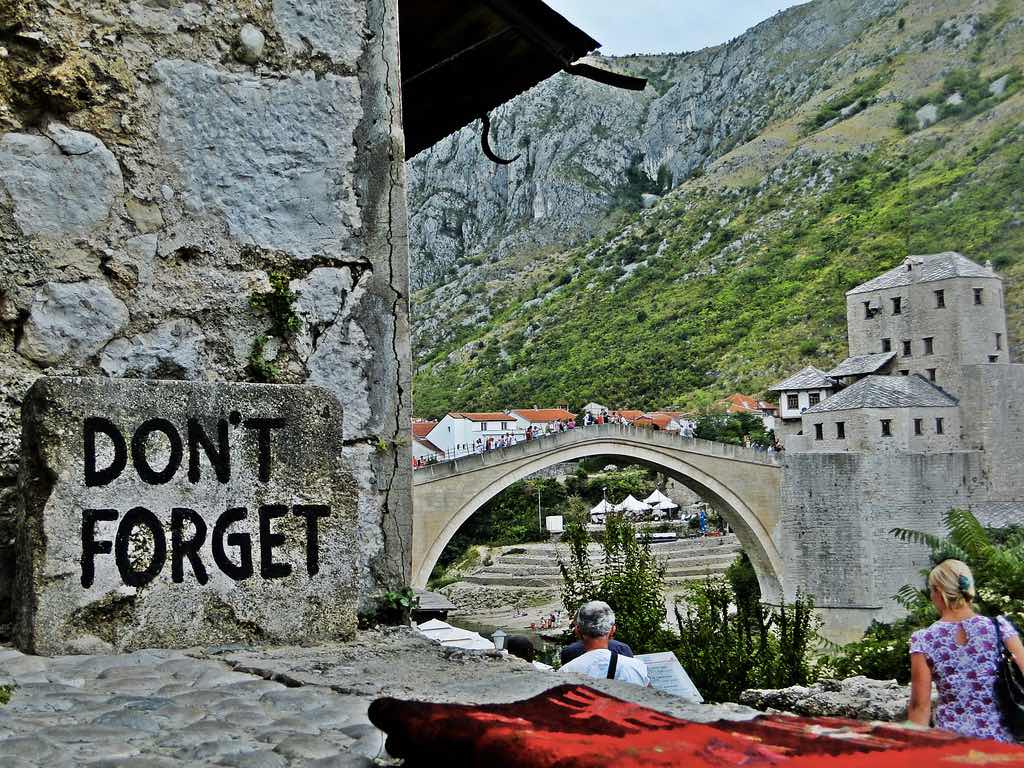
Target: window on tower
[(814, 398), (792, 402), (897, 305), (929, 345), (887, 345), (940, 299), (978, 296), (886, 427)]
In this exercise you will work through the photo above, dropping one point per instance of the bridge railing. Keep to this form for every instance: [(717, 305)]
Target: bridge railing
[(547, 443)]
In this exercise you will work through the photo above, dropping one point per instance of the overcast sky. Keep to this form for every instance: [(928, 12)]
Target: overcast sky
[(661, 26)]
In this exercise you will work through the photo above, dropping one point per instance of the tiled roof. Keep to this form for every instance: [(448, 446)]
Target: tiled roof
[(544, 415), (629, 415), (423, 428), (925, 269), (427, 444), (660, 420), (861, 364), (745, 403), (887, 392), (809, 378), (491, 416)]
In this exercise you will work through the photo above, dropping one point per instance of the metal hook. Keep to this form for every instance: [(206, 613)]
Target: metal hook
[(485, 143)]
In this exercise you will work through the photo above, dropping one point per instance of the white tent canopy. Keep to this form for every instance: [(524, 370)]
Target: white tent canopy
[(604, 508), (659, 500), (632, 504)]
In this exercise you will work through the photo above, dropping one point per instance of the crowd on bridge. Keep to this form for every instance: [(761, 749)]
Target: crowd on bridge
[(463, 434), (459, 435)]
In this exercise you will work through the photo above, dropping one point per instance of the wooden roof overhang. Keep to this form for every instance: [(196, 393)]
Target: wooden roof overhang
[(462, 58)]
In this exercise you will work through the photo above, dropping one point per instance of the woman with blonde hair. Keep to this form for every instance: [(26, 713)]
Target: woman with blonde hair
[(961, 654)]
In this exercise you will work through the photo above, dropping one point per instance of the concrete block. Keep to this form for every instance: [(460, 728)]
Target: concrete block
[(171, 514)]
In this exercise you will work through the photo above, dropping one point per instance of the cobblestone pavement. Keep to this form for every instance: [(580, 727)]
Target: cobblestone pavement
[(151, 709), (252, 707)]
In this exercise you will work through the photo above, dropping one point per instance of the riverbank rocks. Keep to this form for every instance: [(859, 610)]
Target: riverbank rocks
[(860, 698), (167, 514)]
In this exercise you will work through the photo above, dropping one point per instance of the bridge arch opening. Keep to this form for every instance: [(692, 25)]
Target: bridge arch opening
[(452, 511)]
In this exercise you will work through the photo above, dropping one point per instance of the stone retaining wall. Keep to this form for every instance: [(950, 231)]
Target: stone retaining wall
[(159, 165)]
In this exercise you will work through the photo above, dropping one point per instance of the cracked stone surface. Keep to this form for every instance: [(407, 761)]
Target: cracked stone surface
[(241, 706), (70, 322), (281, 177), (314, 23), (63, 183), (172, 350)]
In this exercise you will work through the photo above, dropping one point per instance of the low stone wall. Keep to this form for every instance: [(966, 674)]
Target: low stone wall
[(860, 698)]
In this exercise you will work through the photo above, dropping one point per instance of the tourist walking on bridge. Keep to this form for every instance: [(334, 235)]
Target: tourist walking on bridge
[(961, 653)]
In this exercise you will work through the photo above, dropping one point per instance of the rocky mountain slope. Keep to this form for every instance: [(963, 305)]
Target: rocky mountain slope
[(803, 159), (587, 149)]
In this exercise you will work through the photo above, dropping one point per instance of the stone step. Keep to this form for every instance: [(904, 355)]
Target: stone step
[(548, 568), (508, 580), (537, 555)]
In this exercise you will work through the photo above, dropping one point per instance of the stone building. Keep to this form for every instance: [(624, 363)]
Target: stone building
[(801, 391), (925, 415), (935, 313), (216, 192)]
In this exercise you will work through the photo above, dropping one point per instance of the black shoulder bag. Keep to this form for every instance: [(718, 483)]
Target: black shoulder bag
[(1009, 688), (613, 664)]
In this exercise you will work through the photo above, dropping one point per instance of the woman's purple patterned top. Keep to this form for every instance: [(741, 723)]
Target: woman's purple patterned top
[(965, 675)]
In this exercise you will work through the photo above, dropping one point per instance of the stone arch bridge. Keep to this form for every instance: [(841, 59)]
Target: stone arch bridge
[(743, 485)]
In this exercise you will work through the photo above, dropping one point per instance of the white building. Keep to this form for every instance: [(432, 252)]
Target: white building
[(798, 393), (422, 449), (459, 434)]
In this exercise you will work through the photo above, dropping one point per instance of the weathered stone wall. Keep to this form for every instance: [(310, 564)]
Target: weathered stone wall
[(837, 511), (158, 164), (992, 412), (863, 430)]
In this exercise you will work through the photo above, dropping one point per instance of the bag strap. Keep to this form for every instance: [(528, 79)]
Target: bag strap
[(999, 635), (613, 665)]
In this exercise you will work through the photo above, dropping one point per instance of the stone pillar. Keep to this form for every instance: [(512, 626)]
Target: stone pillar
[(211, 191)]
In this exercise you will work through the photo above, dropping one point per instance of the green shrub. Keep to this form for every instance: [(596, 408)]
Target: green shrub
[(391, 608), (631, 581), (259, 368), (278, 304), (6, 692), (728, 641), (996, 558), (733, 428)]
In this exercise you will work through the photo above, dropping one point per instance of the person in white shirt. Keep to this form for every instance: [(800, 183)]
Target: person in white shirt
[(595, 626)]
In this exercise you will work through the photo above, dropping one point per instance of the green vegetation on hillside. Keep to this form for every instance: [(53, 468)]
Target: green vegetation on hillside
[(714, 291)]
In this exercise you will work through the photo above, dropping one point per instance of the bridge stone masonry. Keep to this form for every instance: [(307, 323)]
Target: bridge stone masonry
[(743, 485)]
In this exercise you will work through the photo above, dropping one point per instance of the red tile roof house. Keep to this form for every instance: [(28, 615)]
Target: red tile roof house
[(541, 418), (422, 449)]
